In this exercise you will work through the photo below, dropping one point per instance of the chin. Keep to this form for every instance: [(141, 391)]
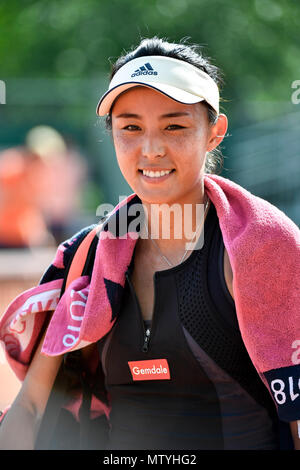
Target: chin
[(158, 198)]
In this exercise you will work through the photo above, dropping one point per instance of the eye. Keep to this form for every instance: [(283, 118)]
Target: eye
[(131, 127), (174, 127)]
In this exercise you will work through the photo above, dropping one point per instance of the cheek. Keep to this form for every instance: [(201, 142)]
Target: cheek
[(126, 159), (124, 147), (193, 140), (192, 150)]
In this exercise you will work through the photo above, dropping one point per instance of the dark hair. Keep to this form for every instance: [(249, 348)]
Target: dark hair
[(188, 53)]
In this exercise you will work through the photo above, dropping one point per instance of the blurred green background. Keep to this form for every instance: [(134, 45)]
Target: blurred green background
[(55, 61)]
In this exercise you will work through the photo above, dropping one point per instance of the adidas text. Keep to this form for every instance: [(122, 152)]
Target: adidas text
[(147, 72)]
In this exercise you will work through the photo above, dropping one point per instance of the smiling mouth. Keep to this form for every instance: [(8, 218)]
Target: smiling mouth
[(155, 174)]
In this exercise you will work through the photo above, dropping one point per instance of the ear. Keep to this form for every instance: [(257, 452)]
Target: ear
[(217, 132)]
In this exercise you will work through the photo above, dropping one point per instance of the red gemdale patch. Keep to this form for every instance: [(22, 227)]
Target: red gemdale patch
[(154, 369)]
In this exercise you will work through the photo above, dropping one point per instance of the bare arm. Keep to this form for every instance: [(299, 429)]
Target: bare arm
[(20, 426), (228, 274), (295, 429)]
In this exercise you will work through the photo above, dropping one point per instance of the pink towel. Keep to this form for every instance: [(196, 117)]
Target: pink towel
[(263, 245)]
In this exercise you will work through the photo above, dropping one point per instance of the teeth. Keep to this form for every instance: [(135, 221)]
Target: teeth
[(156, 174)]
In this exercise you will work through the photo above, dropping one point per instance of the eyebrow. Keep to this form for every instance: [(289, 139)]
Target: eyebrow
[(137, 116)]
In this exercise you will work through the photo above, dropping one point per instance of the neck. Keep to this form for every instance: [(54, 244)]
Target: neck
[(173, 228)]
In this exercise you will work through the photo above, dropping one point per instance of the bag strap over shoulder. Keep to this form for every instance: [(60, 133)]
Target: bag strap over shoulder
[(80, 258)]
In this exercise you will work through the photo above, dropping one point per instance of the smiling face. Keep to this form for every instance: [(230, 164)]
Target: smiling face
[(161, 145)]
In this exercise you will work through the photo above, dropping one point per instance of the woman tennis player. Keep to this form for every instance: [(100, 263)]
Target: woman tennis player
[(186, 314)]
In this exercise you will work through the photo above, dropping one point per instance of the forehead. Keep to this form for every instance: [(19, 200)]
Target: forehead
[(148, 99)]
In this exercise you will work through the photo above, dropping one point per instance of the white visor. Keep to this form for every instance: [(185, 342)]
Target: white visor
[(175, 78)]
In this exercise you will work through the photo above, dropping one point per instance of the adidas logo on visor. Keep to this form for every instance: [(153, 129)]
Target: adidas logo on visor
[(146, 69)]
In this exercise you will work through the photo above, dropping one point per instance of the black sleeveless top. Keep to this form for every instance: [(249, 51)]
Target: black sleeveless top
[(210, 396)]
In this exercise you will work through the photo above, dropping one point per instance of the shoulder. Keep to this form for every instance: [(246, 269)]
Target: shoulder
[(247, 220)]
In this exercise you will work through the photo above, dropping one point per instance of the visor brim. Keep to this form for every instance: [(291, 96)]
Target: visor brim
[(107, 100)]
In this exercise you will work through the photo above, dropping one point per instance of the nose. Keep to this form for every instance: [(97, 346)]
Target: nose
[(153, 146)]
